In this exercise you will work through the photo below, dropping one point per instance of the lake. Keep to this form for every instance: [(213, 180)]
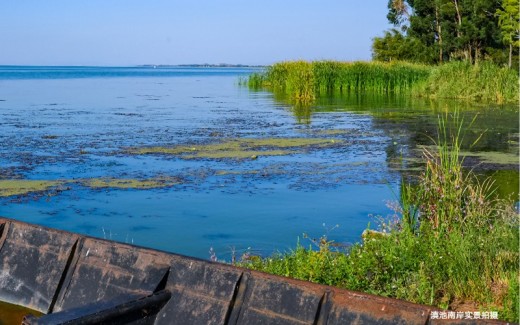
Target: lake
[(186, 160)]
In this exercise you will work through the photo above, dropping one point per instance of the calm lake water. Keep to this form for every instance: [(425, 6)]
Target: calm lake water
[(76, 123)]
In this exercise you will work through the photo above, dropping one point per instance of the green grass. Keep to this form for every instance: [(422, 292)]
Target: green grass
[(304, 81), (485, 82), (449, 244)]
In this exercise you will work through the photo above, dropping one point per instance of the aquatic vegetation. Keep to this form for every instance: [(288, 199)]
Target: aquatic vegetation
[(13, 187), (449, 243), (485, 82), (122, 183), (486, 157), (494, 157), (236, 154), (20, 187), (333, 132), (247, 148), (304, 81)]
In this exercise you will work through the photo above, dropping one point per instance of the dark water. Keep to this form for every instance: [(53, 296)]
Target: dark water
[(70, 123)]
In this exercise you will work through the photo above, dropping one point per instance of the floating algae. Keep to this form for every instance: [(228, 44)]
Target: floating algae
[(484, 157), (19, 187), (240, 148), (126, 183), (494, 157), (12, 187), (334, 131)]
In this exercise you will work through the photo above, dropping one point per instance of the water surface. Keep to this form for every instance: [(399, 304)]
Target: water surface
[(77, 123)]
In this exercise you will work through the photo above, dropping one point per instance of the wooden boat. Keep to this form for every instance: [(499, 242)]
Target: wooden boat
[(75, 279)]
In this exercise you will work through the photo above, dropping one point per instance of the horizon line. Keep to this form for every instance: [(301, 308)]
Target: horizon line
[(223, 65)]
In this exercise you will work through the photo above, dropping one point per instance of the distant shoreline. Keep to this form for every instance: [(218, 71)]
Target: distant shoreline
[(204, 65), (222, 65)]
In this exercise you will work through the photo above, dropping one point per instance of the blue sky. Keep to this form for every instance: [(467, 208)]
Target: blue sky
[(129, 32)]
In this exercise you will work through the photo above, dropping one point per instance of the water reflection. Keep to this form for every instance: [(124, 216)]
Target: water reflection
[(412, 123), (302, 112)]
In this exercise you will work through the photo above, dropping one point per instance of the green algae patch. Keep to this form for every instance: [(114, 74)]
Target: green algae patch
[(485, 157), (237, 154), (334, 132), (494, 157), (14, 187), (124, 183), (23, 187), (251, 148)]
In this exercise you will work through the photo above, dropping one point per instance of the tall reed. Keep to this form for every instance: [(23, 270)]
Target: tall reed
[(304, 81), (485, 82)]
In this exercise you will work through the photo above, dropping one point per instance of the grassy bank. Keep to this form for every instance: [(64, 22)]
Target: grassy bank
[(449, 244), (485, 82), (304, 81)]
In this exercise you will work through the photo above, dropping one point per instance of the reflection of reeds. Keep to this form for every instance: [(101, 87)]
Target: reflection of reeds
[(302, 111)]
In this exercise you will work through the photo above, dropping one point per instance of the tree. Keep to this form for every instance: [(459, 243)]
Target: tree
[(508, 20), (479, 28), (390, 47), (398, 12), (434, 31)]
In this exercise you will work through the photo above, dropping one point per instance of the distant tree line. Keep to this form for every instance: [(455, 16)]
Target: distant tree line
[(435, 31)]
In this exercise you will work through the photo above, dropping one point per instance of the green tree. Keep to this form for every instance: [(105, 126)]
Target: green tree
[(390, 47), (508, 20), (398, 12), (479, 28), (434, 31)]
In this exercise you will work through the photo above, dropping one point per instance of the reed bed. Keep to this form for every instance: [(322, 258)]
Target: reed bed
[(305, 81), (485, 82)]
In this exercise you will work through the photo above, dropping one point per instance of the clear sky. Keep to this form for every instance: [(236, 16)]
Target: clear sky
[(133, 32)]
